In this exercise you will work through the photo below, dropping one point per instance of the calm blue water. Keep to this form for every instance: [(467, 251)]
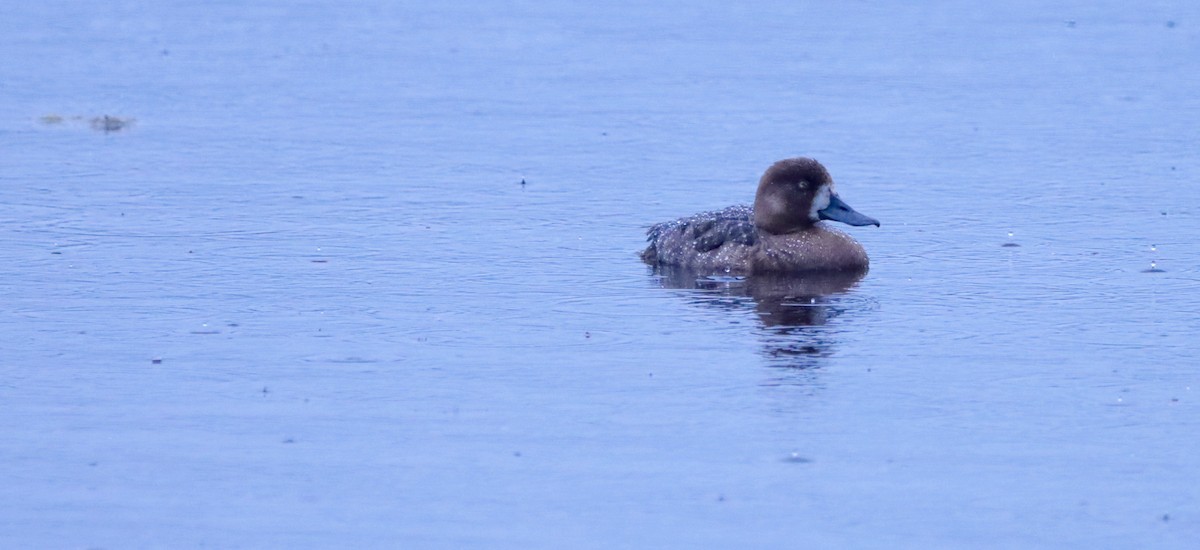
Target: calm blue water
[(303, 300)]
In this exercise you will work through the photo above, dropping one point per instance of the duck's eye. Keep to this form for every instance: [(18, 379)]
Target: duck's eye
[(802, 184)]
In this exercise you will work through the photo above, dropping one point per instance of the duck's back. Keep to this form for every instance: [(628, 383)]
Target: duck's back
[(721, 240)]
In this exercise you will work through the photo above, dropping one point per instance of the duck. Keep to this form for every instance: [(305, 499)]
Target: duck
[(784, 232)]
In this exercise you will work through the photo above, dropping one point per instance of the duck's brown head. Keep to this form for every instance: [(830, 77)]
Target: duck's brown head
[(796, 193)]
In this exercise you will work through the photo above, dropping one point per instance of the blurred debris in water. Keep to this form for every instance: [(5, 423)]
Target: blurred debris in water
[(106, 123)]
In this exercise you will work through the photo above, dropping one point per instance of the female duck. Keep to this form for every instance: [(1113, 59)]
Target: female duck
[(781, 234)]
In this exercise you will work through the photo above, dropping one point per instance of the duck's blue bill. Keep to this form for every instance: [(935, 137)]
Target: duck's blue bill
[(839, 211)]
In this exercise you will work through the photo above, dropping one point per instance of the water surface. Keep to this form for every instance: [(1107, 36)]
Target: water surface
[(303, 298)]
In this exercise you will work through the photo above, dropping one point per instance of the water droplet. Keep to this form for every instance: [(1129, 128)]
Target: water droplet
[(1010, 243)]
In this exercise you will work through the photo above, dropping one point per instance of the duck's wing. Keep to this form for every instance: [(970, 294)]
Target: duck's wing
[(732, 225), (670, 241)]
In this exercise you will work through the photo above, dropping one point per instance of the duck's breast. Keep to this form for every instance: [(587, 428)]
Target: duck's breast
[(819, 248)]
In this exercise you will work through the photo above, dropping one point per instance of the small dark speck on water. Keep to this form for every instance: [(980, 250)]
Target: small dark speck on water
[(320, 261), (156, 361), (265, 390), (720, 498), (1010, 245), (795, 458), (289, 440), (1071, 24), (93, 464), (522, 182), (517, 454), (1166, 517), (56, 252), (587, 335), (1170, 24)]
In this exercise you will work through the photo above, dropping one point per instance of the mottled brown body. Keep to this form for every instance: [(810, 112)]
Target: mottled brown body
[(781, 234)]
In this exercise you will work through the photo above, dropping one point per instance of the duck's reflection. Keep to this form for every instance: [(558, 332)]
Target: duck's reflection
[(793, 310)]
